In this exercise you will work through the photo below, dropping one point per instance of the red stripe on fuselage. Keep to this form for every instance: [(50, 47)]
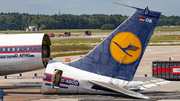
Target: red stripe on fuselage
[(64, 83), (22, 52), (67, 78), (47, 80), (50, 80), (48, 74), (51, 75), (21, 46)]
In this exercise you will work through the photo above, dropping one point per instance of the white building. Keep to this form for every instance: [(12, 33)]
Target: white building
[(33, 28)]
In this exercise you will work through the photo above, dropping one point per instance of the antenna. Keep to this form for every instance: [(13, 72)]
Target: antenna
[(124, 5), (59, 12)]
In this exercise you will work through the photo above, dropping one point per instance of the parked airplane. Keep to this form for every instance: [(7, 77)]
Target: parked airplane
[(23, 52), (110, 67)]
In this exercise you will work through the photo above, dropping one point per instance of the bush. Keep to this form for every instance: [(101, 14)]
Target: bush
[(108, 27)]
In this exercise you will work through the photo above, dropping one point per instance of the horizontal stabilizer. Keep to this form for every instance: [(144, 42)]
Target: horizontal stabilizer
[(118, 89), (149, 82)]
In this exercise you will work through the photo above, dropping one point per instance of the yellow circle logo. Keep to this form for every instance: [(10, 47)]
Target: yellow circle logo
[(125, 47)]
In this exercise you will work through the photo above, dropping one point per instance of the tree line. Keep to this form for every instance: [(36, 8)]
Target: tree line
[(16, 21)]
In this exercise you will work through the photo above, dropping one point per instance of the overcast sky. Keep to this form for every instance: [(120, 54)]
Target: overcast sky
[(78, 7)]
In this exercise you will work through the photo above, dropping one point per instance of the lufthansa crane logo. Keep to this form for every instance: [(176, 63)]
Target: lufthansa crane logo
[(125, 47)]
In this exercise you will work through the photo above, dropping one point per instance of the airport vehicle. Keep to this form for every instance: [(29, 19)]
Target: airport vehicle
[(59, 35), (110, 67), (88, 33), (169, 70), (51, 35), (23, 52), (65, 34)]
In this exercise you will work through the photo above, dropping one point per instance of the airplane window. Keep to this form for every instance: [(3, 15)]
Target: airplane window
[(22, 49), (4, 49), (37, 48), (8, 49), (13, 49), (17, 49)]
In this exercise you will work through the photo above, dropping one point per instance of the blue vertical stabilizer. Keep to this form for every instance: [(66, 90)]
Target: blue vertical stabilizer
[(120, 53)]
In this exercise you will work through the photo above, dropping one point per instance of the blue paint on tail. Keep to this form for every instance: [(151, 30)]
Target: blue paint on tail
[(101, 61)]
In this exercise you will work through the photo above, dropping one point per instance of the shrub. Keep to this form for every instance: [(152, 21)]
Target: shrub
[(108, 27)]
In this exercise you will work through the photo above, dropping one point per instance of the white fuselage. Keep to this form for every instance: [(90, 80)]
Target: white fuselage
[(23, 52), (74, 80), (16, 62)]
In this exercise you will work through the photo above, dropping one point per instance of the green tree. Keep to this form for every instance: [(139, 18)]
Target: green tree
[(43, 26), (108, 27), (3, 23), (13, 24)]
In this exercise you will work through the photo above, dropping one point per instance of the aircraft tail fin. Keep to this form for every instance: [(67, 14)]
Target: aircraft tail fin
[(119, 54)]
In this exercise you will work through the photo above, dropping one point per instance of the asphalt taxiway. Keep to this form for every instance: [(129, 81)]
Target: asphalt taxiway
[(29, 89)]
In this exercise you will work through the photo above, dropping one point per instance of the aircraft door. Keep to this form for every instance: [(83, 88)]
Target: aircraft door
[(56, 79)]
